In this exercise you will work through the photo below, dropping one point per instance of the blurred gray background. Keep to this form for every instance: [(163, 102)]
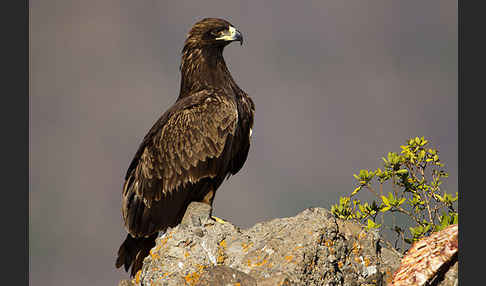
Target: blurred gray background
[(337, 84)]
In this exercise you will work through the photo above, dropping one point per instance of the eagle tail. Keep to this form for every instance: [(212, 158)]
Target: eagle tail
[(133, 251)]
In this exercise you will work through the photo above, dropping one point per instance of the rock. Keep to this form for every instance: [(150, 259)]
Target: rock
[(125, 283), (432, 259), (223, 276), (311, 248), (280, 280), (451, 276)]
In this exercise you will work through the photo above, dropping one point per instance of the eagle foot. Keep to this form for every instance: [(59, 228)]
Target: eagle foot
[(217, 219), (137, 278)]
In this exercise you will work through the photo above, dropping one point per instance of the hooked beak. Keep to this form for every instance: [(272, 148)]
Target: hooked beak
[(231, 35)]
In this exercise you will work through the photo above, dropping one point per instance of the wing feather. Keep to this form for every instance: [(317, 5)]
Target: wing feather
[(180, 149)]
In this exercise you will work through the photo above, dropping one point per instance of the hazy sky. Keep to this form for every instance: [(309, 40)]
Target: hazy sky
[(336, 84)]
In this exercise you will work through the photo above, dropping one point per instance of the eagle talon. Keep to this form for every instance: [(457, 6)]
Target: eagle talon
[(137, 276), (217, 219)]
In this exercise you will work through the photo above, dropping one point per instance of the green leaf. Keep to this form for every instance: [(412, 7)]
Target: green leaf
[(401, 201), (362, 209), (363, 173), (356, 191), (402, 172), (455, 218), (372, 224), (384, 209), (422, 154), (415, 230), (391, 199), (385, 200)]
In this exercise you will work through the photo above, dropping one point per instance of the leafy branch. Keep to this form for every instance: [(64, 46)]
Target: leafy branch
[(416, 175)]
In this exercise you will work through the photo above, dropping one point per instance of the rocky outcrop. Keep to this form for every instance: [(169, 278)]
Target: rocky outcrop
[(432, 260), (311, 248)]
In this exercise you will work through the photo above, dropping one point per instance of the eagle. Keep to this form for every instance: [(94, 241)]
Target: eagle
[(202, 139)]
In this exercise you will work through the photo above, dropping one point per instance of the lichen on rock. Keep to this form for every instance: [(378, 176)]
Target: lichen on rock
[(311, 248)]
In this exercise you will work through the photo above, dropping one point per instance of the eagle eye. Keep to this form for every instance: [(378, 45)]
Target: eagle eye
[(217, 32)]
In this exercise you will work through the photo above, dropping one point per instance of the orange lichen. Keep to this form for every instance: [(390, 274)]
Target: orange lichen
[(154, 255), (328, 243), (289, 258), (297, 247), (356, 248), (261, 263), (367, 261), (389, 276), (221, 258), (221, 254), (223, 243), (340, 264), (362, 235), (331, 250), (154, 252), (246, 246), (164, 240), (193, 278)]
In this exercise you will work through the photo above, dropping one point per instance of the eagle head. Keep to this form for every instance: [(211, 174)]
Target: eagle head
[(212, 32)]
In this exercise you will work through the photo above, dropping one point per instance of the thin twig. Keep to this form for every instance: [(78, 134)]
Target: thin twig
[(427, 201)]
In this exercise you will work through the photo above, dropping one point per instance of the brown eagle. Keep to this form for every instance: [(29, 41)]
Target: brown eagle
[(197, 143)]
